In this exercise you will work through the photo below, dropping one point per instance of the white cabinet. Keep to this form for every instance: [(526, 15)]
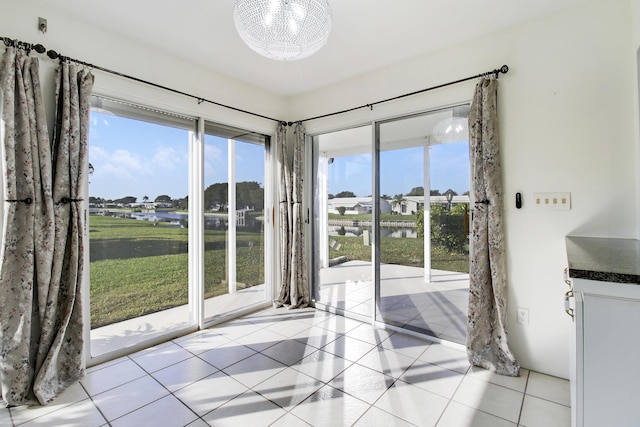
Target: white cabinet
[(606, 384)]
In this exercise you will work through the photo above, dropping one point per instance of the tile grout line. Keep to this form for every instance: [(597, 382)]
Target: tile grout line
[(150, 375), (168, 391), (94, 404), (395, 380), (524, 395), (453, 394), (323, 383)]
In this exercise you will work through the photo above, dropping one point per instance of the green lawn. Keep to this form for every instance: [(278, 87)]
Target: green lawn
[(139, 268), (400, 251)]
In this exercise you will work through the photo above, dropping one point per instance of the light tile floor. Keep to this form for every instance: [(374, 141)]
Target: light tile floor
[(306, 367), (130, 332)]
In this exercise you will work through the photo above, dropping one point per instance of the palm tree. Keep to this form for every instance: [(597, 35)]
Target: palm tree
[(398, 200)]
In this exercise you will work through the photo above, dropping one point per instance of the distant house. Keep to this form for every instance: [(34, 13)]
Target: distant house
[(413, 204), (356, 205), (143, 205)]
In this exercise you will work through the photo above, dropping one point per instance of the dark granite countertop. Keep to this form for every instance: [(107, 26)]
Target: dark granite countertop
[(604, 259)]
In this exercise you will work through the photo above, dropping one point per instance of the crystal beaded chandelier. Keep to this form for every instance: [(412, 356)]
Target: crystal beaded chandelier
[(285, 30)]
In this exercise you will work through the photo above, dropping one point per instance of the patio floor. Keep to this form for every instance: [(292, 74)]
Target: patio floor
[(437, 308)]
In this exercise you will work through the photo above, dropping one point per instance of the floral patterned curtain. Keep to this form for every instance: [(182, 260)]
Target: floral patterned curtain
[(284, 191), (60, 352), (487, 334), (294, 288), (40, 312)]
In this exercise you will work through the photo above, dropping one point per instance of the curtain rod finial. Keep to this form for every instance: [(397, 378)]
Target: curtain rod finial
[(504, 69)]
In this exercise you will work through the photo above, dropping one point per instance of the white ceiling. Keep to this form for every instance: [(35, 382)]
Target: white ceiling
[(367, 34)]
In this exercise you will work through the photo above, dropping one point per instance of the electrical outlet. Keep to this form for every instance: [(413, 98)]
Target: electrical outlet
[(42, 25), (523, 316)]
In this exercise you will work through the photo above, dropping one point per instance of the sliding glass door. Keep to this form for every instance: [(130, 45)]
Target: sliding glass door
[(146, 172), (234, 226), (342, 226), (424, 175), (138, 221), (401, 241)]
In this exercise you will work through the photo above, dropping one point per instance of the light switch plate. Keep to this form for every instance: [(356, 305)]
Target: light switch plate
[(552, 201)]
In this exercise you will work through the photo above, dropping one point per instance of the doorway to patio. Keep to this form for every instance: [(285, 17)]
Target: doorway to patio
[(391, 210), (179, 232)]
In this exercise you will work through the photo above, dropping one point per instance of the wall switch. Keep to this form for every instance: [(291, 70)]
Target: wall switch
[(552, 201), (523, 316)]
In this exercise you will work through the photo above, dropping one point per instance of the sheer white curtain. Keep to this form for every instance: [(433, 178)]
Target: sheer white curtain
[(487, 345), (40, 312), (294, 289)]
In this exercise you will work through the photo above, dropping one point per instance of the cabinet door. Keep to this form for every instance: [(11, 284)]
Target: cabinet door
[(611, 368)]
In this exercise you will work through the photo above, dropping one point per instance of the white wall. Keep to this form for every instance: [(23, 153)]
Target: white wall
[(568, 123), (76, 39)]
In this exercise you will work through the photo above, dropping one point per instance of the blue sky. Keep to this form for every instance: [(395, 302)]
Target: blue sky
[(135, 158), (402, 170)]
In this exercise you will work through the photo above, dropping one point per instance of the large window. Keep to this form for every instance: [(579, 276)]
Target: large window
[(143, 179), (138, 221)]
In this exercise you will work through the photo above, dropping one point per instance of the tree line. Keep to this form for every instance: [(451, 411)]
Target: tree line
[(249, 194), (415, 191)]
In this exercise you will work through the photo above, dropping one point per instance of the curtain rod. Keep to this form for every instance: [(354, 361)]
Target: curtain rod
[(52, 54), (504, 69)]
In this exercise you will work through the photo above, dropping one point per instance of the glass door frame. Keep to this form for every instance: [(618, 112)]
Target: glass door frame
[(196, 316), (314, 265)]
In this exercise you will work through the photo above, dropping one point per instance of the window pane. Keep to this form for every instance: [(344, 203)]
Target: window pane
[(138, 187), (249, 215), (342, 228), (216, 218), (234, 172), (424, 252)]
